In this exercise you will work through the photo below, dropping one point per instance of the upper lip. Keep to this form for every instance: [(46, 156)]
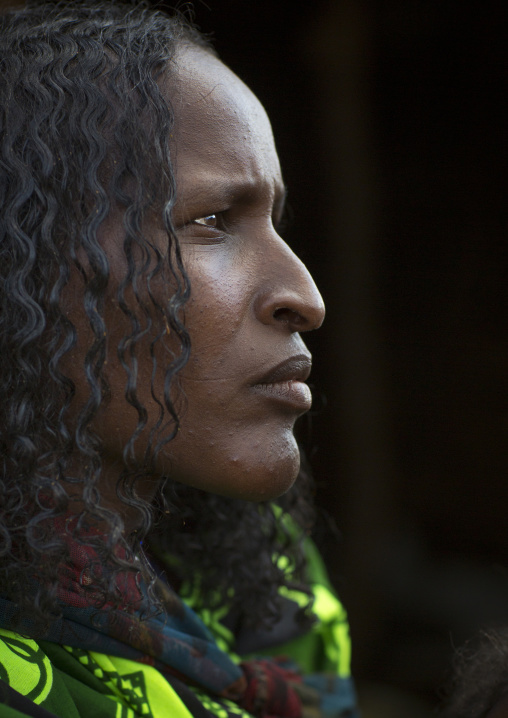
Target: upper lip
[(296, 368)]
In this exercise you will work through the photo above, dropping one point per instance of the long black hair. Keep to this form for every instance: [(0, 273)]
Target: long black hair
[(85, 131)]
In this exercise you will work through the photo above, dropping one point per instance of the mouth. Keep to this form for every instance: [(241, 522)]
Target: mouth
[(285, 383)]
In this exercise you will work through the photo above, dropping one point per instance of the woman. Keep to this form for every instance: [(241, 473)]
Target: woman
[(152, 373)]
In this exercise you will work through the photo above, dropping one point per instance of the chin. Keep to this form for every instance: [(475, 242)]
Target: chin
[(273, 483), (257, 469), (265, 478)]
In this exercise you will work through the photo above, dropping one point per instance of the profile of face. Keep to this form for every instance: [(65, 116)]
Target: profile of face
[(251, 298)]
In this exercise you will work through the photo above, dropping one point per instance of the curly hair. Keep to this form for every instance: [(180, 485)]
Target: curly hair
[(85, 130), (480, 677), (223, 548)]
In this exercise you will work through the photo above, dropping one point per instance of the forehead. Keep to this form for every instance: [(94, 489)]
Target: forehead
[(219, 122)]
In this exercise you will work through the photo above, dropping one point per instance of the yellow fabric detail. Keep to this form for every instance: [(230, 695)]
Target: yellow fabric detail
[(332, 626), (162, 698), (24, 666), (326, 606), (334, 629), (341, 638), (302, 599), (212, 619), (222, 635), (224, 709)]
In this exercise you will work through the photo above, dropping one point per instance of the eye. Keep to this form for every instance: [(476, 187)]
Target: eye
[(207, 229), (209, 221)]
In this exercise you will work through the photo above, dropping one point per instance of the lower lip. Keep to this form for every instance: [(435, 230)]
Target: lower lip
[(292, 393)]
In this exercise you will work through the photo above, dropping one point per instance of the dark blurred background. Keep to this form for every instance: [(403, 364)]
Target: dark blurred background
[(391, 123)]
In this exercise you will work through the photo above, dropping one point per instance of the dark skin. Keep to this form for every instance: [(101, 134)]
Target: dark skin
[(251, 298)]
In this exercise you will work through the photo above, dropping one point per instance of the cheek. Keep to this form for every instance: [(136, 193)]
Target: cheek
[(218, 313)]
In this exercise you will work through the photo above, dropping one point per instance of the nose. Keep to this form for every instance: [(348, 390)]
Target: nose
[(288, 297)]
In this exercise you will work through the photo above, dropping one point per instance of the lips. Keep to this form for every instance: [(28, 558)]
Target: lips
[(285, 383), (296, 368)]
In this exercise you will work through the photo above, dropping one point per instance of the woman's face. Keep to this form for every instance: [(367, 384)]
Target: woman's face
[(251, 297)]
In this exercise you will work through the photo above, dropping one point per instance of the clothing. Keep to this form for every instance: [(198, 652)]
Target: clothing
[(110, 664)]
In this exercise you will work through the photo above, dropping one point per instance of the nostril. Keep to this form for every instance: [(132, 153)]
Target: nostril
[(288, 316)]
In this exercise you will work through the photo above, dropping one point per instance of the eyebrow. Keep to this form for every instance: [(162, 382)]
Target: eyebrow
[(232, 192)]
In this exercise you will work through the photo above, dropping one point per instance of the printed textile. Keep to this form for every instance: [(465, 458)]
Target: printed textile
[(114, 664)]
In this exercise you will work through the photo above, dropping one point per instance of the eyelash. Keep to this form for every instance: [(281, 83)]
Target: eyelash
[(219, 222), (201, 220)]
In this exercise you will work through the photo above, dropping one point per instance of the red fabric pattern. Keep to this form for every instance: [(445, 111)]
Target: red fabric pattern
[(269, 692)]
